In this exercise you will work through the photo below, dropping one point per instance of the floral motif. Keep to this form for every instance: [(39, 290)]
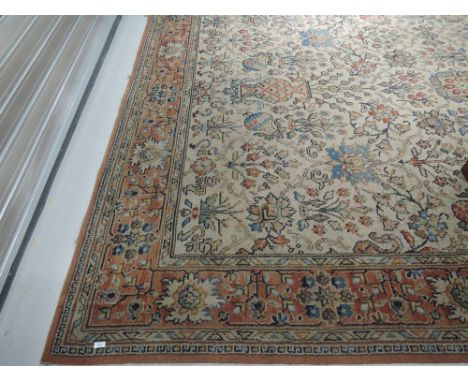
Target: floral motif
[(400, 58), (172, 49), (316, 38), (452, 293), (353, 163), (435, 123), (190, 299), (133, 239), (428, 226), (272, 213), (452, 85), (202, 165), (363, 67), (460, 210), (163, 94), (151, 154), (326, 298)]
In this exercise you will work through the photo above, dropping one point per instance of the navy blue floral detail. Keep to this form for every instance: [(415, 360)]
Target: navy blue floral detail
[(280, 319), (338, 282), (344, 310), (163, 93), (312, 311), (308, 281)]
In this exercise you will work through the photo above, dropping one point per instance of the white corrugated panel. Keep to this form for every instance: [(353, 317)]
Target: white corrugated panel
[(45, 65)]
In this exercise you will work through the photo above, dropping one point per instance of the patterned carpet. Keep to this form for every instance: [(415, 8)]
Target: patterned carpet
[(280, 189)]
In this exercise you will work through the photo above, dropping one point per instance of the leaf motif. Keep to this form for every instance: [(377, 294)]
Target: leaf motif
[(408, 237), (281, 240), (302, 224), (211, 200), (259, 244), (389, 225), (328, 195), (319, 218), (255, 227), (317, 203), (335, 225), (434, 202), (422, 171), (185, 222), (362, 210), (427, 250), (298, 197), (359, 130)]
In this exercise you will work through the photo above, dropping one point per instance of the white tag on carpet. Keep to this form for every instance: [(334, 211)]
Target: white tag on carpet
[(99, 344)]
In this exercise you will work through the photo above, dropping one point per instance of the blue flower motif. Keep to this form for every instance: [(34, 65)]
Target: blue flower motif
[(428, 226), (396, 305), (312, 311), (352, 163), (431, 237), (280, 319), (123, 228), (147, 227), (131, 192), (117, 250), (344, 310), (316, 38), (255, 227), (144, 249), (442, 225), (413, 226), (414, 273), (302, 224), (118, 205), (308, 282), (303, 137), (338, 282), (163, 93), (130, 239), (453, 113)]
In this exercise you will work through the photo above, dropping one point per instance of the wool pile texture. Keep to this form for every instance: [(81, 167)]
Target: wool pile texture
[(280, 189)]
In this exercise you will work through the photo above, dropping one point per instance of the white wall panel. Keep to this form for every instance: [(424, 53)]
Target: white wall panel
[(45, 65)]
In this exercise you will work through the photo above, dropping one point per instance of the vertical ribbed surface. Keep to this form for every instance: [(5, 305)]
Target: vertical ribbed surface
[(45, 65)]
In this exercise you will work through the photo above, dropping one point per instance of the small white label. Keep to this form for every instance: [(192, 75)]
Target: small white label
[(100, 344)]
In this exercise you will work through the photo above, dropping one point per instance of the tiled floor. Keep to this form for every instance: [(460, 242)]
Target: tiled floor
[(28, 310)]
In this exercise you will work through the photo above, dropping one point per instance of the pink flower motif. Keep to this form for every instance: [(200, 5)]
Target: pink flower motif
[(267, 164), (319, 229), (253, 157), (248, 183)]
